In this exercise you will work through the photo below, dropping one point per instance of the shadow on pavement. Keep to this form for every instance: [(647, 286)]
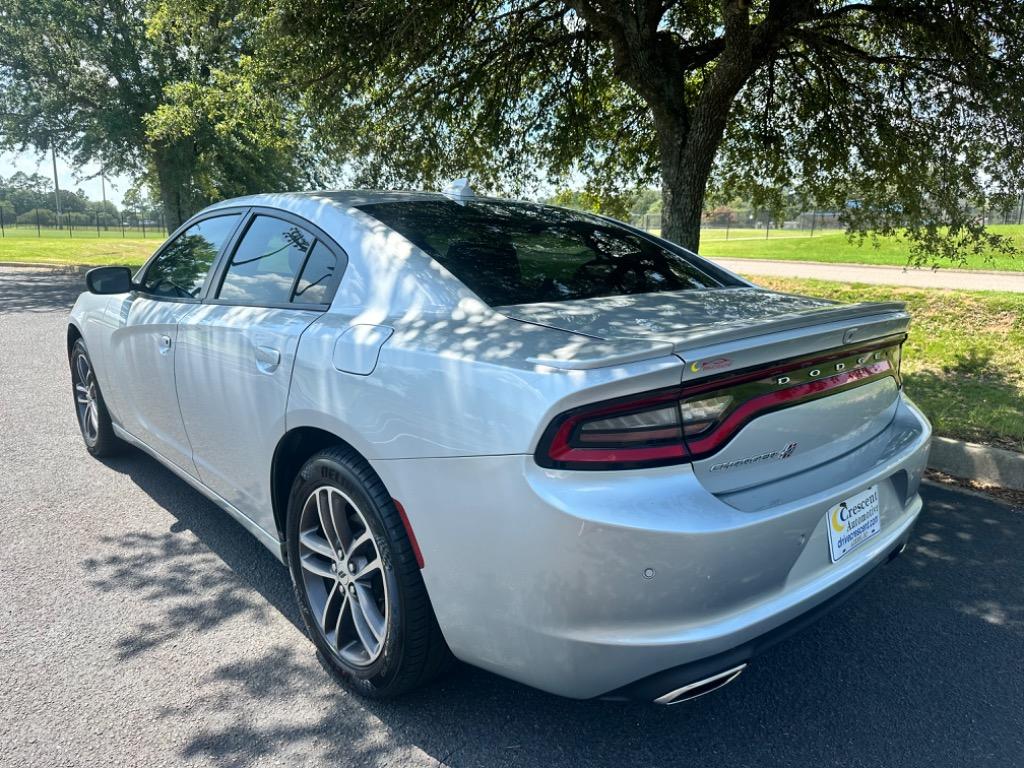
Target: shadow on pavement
[(27, 289), (922, 667)]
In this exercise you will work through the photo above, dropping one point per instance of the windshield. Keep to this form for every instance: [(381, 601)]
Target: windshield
[(522, 253)]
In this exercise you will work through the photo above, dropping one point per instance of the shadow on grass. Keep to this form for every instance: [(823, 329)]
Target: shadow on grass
[(973, 399), (921, 668)]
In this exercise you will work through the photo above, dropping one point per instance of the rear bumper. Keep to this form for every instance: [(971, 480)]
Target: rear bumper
[(685, 676), (590, 583)]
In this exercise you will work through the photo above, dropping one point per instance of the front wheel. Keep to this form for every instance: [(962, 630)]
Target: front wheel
[(357, 581), (93, 417)]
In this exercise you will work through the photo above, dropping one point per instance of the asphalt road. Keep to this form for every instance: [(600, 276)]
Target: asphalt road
[(142, 626)]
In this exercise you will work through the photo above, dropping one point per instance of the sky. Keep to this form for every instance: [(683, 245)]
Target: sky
[(72, 178), (68, 177)]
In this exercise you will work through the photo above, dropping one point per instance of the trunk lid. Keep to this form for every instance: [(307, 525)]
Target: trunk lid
[(817, 379), (699, 319)]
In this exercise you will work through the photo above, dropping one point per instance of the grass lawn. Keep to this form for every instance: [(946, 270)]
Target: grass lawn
[(964, 360), (80, 249), (833, 246)]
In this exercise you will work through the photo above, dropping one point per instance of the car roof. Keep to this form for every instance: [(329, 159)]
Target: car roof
[(343, 198), (347, 198)]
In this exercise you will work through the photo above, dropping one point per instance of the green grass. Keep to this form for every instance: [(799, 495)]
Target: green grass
[(834, 247), (964, 360), (53, 248)]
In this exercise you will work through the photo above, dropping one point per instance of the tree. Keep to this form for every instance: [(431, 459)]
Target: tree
[(26, 192), (911, 106), (125, 83)]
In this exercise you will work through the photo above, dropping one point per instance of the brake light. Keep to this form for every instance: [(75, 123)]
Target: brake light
[(679, 424)]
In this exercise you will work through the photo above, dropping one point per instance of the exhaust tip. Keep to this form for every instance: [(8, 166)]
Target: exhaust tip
[(701, 687), (899, 550)]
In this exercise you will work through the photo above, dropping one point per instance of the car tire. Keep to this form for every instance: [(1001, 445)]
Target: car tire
[(336, 500), (90, 408)]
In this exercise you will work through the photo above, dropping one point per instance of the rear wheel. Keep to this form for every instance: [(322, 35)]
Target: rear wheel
[(356, 579), (93, 417)]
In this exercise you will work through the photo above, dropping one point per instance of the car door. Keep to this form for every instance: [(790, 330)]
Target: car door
[(142, 343), (235, 353)]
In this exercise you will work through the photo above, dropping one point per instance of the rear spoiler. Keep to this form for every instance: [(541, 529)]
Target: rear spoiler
[(715, 349), (720, 346)]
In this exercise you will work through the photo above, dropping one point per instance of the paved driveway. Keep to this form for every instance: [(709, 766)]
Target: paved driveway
[(959, 279), (141, 626)]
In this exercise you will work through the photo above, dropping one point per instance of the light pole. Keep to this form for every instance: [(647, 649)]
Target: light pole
[(103, 194), (56, 184)]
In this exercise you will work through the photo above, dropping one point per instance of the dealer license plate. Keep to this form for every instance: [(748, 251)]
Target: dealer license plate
[(853, 521)]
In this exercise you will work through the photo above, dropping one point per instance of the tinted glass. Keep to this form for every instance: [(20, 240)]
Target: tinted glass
[(318, 277), (266, 262), (520, 253), (180, 270)]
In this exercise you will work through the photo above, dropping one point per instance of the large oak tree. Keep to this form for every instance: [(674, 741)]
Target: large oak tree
[(132, 85), (901, 113)]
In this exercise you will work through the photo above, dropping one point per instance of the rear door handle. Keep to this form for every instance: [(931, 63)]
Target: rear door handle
[(267, 359), (165, 343)]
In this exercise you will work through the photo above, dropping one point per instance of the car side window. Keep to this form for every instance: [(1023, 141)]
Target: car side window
[(266, 263), (180, 270), (317, 277)]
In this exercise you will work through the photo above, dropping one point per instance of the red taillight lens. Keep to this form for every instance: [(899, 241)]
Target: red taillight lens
[(642, 431), (647, 430), (680, 424)]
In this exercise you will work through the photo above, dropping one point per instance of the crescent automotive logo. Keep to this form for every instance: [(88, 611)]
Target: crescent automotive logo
[(843, 513), (779, 455), (839, 517)]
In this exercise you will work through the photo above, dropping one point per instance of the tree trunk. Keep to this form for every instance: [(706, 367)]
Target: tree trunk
[(175, 165), (682, 192), (688, 140), (686, 158)]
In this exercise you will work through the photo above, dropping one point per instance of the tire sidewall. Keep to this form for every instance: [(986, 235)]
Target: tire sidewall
[(79, 350), (318, 472)]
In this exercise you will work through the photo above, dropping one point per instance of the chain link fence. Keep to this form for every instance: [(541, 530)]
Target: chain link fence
[(45, 223), (751, 224)]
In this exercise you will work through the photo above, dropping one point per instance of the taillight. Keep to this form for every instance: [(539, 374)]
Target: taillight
[(679, 424), (699, 416), (642, 431)]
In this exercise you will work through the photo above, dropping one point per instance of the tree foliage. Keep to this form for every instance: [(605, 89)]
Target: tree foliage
[(126, 84), (904, 114)]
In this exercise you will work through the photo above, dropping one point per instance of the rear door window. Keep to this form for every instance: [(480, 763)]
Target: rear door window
[(180, 270), (267, 262)]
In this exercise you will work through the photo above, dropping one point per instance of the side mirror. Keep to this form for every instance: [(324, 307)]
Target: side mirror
[(104, 280)]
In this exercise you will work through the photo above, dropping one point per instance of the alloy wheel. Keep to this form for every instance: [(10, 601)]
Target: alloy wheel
[(343, 576), (86, 398)]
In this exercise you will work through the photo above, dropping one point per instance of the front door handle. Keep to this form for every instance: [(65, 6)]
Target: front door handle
[(267, 359), (165, 343)]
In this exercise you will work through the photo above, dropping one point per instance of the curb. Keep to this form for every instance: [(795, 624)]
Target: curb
[(991, 466)]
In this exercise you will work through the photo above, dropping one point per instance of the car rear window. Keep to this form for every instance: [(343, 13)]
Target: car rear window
[(523, 253)]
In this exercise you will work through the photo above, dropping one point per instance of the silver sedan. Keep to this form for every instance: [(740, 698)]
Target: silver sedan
[(536, 440)]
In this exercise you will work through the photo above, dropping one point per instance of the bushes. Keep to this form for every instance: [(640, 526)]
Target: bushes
[(44, 216)]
